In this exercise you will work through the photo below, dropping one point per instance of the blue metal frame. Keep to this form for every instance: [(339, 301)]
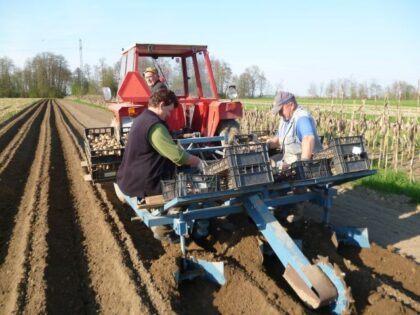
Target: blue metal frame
[(256, 201)]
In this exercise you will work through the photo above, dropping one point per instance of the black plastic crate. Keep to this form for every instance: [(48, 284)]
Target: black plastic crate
[(189, 184), (348, 145), (250, 175), (168, 189), (216, 167), (350, 163), (311, 169), (343, 146), (100, 156), (238, 156), (103, 172)]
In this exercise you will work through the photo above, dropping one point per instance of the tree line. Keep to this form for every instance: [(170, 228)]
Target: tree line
[(350, 88), (49, 75)]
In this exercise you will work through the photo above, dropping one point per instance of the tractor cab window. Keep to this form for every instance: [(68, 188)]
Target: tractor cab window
[(192, 79), (204, 75), (170, 71), (123, 69)]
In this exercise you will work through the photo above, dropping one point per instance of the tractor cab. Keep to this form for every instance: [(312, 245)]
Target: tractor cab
[(186, 70)]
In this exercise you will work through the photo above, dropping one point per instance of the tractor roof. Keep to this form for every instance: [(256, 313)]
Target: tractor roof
[(166, 49)]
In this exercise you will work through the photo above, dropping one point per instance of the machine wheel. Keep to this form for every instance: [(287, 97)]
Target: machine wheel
[(344, 301), (119, 193), (228, 127)]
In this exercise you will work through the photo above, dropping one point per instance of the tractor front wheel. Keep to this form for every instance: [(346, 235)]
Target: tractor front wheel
[(228, 128)]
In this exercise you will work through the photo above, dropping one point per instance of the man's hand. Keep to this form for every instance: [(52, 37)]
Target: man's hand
[(273, 143)]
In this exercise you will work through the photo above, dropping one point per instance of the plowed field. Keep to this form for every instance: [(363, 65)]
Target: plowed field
[(69, 247)]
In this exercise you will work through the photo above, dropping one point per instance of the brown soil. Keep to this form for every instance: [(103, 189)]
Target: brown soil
[(68, 246)]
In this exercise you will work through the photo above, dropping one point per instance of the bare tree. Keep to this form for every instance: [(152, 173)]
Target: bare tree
[(312, 91), (262, 82), (244, 85), (7, 69), (222, 75)]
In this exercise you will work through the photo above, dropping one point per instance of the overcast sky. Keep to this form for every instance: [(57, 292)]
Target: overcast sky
[(295, 43)]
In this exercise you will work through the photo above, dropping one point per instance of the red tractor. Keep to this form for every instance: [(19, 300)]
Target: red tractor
[(186, 70)]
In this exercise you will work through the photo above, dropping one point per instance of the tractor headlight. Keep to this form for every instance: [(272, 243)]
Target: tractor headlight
[(231, 92)]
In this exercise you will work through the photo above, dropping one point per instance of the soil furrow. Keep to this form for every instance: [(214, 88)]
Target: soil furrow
[(32, 286), (9, 150), (10, 127), (111, 279), (69, 288), (14, 181), (21, 273), (140, 274)]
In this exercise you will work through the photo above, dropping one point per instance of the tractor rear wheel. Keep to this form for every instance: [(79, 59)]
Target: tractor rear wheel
[(228, 128)]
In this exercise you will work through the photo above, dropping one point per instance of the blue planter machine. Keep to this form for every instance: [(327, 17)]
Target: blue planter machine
[(317, 284)]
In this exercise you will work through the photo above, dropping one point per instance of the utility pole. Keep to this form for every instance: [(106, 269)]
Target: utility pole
[(81, 66)]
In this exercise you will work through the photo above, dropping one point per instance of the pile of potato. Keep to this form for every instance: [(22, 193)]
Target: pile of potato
[(104, 144)]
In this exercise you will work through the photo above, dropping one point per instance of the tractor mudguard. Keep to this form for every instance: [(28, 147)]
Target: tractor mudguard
[(222, 110)]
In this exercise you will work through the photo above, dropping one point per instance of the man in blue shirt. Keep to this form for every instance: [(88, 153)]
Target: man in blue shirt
[(297, 138)]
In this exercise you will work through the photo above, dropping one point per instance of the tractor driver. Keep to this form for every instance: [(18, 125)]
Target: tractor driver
[(151, 76), (151, 155), (297, 137)]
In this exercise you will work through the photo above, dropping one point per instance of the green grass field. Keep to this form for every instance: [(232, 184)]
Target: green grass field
[(393, 182), (11, 106), (266, 102)]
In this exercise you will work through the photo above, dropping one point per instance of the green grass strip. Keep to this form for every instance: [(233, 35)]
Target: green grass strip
[(82, 102), (396, 182)]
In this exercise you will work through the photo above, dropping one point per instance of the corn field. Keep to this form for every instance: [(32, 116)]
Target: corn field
[(392, 140)]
